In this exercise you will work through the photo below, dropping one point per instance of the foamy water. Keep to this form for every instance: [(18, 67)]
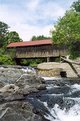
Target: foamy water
[(58, 114), (28, 70), (50, 78), (75, 87), (62, 115), (73, 114)]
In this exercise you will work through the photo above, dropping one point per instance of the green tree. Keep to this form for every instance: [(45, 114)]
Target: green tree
[(3, 31), (76, 6), (13, 37), (41, 37), (67, 29)]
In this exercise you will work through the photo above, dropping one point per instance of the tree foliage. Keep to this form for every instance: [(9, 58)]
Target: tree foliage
[(5, 59), (41, 37), (75, 49), (3, 31), (13, 37), (67, 29), (5, 38), (76, 6), (31, 62)]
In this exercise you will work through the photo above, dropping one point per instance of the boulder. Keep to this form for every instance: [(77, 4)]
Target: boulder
[(18, 111), (14, 85)]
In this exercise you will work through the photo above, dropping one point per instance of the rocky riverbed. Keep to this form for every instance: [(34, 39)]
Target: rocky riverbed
[(15, 83), (25, 96)]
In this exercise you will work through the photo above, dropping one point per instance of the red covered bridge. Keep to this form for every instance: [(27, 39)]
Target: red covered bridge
[(37, 49)]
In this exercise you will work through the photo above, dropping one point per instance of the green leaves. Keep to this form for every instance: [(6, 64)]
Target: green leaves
[(67, 29), (13, 37), (41, 37), (7, 37), (3, 31), (76, 6), (5, 59)]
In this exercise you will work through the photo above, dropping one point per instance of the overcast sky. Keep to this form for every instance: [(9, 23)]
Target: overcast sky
[(32, 17)]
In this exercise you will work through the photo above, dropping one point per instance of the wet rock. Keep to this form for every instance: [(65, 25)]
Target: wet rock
[(17, 111), (75, 94), (10, 75), (9, 88), (55, 100), (27, 91), (68, 103), (2, 84), (27, 79), (41, 87), (14, 85)]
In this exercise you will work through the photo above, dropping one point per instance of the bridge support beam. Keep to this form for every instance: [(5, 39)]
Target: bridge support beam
[(48, 59)]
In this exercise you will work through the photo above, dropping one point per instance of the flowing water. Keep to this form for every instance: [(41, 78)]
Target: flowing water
[(59, 102)]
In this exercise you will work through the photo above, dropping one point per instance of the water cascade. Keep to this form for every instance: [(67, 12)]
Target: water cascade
[(59, 102), (21, 98)]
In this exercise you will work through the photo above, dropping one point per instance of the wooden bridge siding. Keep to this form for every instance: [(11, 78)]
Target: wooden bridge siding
[(39, 51)]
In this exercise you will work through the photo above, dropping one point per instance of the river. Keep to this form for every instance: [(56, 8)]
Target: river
[(60, 101)]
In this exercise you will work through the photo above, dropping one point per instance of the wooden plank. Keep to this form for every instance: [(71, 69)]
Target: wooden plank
[(70, 61)]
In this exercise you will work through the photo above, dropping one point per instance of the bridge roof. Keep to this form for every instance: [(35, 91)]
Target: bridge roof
[(30, 43)]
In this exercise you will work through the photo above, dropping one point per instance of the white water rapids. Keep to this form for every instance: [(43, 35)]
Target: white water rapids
[(63, 114), (73, 114), (52, 99)]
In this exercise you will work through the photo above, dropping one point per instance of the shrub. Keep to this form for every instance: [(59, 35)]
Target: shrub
[(75, 49), (6, 60)]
